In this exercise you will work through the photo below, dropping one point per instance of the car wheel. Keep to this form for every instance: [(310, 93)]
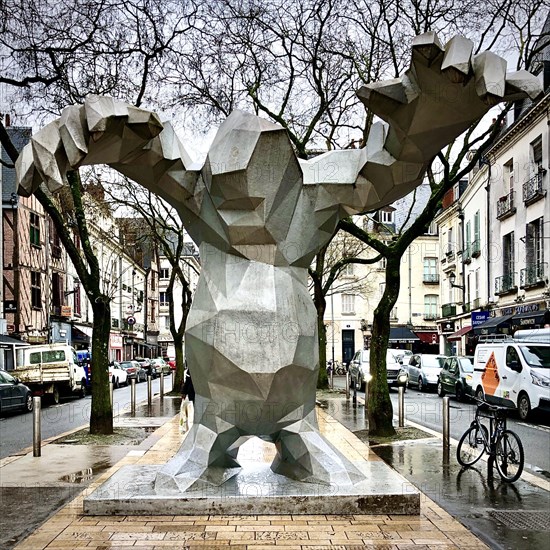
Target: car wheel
[(479, 394), (440, 390), (524, 406), (55, 397), (420, 384), (29, 403), (459, 392)]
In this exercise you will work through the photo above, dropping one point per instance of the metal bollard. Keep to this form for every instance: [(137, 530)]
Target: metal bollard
[(149, 390), (401, 406), (133, 396), (354, 400), (446, 431), (366, 399), (111, 389), (331, 379), (347, 385), (36, 427), (173, 379), (161, 385)]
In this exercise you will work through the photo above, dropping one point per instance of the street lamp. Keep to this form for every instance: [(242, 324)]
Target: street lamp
[(452, 279)]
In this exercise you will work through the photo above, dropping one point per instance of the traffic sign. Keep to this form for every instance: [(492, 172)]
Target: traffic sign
[(131, 320)]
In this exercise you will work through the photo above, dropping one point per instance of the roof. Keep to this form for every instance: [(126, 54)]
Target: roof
[(7, 340), (459, 333), (19, 137)]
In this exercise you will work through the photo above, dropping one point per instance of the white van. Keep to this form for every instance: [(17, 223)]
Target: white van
[(52, 370), (514, 372)]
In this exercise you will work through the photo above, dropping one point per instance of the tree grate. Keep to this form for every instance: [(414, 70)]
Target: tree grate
[(525, 519)]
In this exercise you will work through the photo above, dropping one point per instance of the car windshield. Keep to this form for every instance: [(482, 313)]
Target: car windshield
[(126, 364), (466, 364), (536, 356), (432, 361)]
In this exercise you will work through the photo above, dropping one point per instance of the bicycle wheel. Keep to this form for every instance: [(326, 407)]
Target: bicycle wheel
[(472, 445), (509, 456)]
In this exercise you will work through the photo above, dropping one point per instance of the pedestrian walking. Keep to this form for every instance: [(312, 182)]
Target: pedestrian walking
[(188, 396)]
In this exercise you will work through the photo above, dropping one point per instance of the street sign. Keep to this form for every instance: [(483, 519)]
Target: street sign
[(131, 320), (479, 317)]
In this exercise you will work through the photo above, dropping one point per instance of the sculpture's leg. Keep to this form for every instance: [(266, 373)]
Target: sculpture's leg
[(207, 456), (305, 455)]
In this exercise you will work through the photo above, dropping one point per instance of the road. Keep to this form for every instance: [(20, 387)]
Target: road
[(16, 429), (425, 409)]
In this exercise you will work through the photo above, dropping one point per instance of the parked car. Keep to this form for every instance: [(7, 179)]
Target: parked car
[(134, 370), (150, 368), (424, 370), (161, 365), (456, 377), (359, 369), (117, 374), (13, 394), (172, 364)]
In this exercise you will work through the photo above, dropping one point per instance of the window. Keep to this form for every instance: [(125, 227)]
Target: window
[(348, 303), (430, 270), (348, 270), (165, 322), (476, 245), (508, 264), (153, 310), (430, 306), (57, 290), (36, 290), (534, 251), (450, 242), (153, 280), (164, 299), (164, 273), (468, 250), (386, 216), (432, 230), (509, 176), (536, 154), (476, 287), (35, 229)]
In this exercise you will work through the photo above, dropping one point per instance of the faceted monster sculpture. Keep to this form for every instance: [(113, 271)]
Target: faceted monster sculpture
[(260, 215)]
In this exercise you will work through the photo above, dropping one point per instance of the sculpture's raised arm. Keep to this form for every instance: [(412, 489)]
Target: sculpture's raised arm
[(106, 131), (445, 90)]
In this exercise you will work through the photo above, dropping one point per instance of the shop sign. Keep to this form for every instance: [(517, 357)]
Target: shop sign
[(448, 327), (524, 308), (10, 306), (479, 317), (116, 341), (66, 311)]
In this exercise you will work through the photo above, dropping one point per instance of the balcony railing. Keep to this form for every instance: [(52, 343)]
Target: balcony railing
[(505, 206), (532, 189), (476, 248), (430, 278), (448, 310), (533, 276), (505, 283), (428, 316)]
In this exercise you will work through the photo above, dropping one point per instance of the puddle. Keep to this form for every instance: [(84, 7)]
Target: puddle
[(86, 475)]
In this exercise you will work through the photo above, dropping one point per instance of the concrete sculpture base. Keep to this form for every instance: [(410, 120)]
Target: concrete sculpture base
[(256, 490)]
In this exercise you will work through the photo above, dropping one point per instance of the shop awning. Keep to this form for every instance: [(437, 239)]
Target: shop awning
[(530, 319), (458, 334), (403, 335), (79, 337), (428, 337), (493, 324)]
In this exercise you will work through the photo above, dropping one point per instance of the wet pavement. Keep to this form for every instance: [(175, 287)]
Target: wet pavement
[(507, 516), (34, 488)]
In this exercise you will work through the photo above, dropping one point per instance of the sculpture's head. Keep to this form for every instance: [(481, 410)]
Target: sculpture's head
[(250, 163)]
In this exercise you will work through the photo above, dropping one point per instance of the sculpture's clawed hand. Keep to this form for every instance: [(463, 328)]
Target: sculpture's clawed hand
[(444, 91)]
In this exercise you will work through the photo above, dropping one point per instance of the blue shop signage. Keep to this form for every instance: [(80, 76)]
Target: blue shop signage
[(479, 317)]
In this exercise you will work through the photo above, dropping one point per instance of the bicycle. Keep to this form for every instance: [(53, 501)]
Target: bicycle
[(502, 445)]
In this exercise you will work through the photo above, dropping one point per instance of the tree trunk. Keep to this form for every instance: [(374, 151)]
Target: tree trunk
[(320, 307), (380, 410), (101, 417)]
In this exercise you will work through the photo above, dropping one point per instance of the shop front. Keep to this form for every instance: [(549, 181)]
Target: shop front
[(115, 346), (532, 318)]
